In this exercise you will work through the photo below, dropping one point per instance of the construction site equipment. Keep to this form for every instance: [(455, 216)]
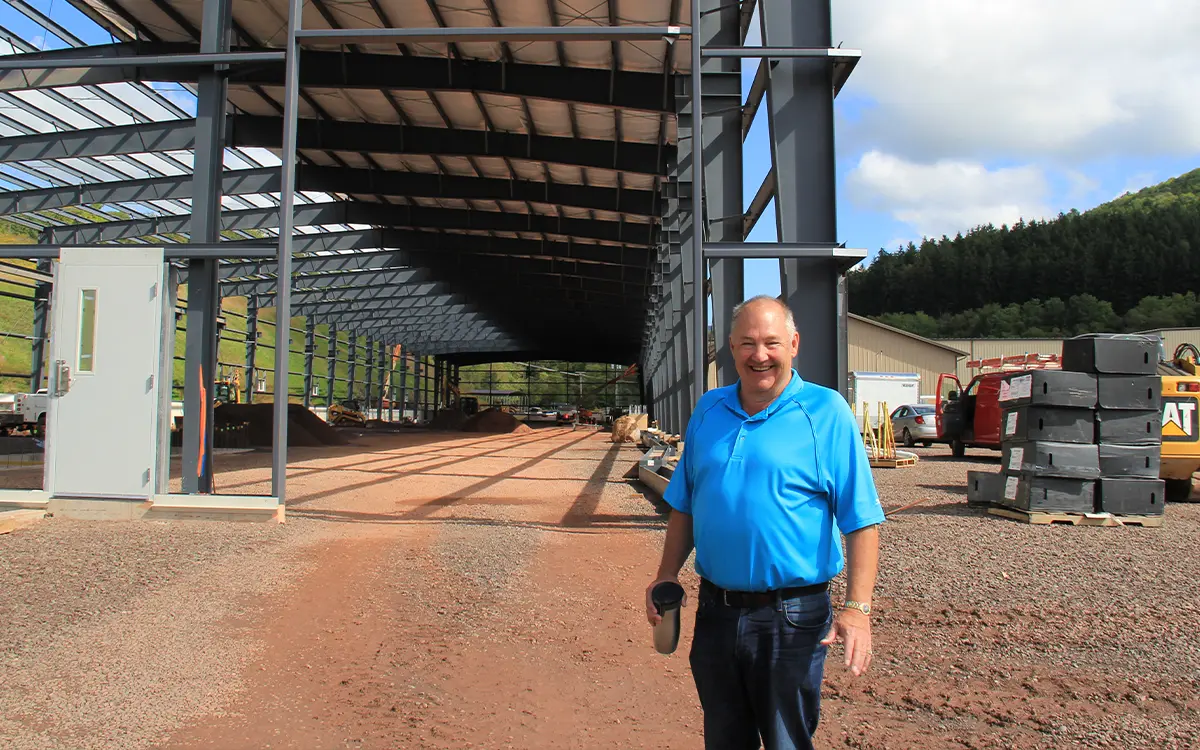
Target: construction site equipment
[(346, 414), (228, 389), (468, 405), (1180, 451)]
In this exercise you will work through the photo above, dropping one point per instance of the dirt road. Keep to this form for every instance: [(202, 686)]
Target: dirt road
[(447, 591)]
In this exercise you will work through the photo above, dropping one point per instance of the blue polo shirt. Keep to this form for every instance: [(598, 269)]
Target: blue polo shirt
[(765, 491)]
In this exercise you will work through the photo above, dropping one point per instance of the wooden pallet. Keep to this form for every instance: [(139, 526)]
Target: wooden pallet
[(892, 463), (1043, 518)]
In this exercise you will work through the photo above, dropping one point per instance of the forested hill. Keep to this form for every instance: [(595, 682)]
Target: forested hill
[(1145, 244)]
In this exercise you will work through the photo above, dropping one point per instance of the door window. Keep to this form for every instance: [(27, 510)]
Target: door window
[(87, 331)]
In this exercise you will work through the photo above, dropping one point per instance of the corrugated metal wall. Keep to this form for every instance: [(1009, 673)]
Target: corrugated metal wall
[(876, 349), (1173, 338)]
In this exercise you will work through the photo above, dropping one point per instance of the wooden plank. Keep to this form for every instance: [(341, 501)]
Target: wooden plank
[(214, 513), (11, 520), (1042, 518)]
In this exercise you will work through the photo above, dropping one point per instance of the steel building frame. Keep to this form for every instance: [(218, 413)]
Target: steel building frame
[(799, 75), (391, 227)]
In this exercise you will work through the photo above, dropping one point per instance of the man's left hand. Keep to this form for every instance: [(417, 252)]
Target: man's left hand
[(853, 629)]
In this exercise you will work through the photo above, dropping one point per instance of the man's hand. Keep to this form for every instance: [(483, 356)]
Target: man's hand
[(852, 628), (652, 615)]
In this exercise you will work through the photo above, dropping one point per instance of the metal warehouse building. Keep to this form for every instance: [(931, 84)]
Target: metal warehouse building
[(471, 182)]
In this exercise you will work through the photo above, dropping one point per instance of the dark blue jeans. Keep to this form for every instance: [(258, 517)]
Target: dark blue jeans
[(759, 671)]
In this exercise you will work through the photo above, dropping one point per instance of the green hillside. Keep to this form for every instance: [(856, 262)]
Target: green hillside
[(1119, 266), (16, 315)]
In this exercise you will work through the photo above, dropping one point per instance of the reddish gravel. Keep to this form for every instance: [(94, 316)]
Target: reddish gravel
[(447, 591)]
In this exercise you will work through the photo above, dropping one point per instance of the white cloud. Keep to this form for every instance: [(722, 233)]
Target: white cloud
[(1079, 185), (1136, 182), (947, 196), (981, 78)]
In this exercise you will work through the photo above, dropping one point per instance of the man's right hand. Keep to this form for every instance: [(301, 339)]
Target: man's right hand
[(652, 615)]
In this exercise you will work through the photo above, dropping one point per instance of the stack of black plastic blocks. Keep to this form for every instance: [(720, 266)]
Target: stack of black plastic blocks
[(1128, 419), (1083, 439), (1049, 461)]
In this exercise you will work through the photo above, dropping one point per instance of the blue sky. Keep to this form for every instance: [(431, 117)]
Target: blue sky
[(962, 113)]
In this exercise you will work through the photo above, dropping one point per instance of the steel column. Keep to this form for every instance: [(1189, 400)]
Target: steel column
[(41, 317), (693, 245), (310, 345), (203, 303), (678, 390), (800, 117), (391, 393), (438, 374), (331, 366), (645, 394), (421, 399), (287, 199), (350, 373), (720, 24), (683, 273), (251, 345), (403, 396), (369, 366), (383, 367)]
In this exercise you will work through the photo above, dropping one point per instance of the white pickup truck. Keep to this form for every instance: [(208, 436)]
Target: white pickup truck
[(24, 412)]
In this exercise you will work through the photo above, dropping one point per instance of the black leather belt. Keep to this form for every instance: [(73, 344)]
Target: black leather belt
[(746, 599)]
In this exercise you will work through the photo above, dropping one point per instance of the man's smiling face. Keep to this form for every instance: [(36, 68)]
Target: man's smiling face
[(763, 348)]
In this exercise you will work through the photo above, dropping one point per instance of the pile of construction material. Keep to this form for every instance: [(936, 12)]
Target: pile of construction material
[(305, 429), (1080, 445), (450, 420), (495, 421), (628, 429)]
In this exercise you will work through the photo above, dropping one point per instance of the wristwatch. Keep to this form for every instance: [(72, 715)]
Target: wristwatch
[(863, 607)]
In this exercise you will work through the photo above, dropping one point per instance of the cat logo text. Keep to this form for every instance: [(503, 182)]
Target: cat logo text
[(1179, 419)]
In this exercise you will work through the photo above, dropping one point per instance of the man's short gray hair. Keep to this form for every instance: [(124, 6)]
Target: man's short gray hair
[(787, 311)]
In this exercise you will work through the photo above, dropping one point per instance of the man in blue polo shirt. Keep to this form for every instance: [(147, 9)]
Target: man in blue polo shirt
[(773, 468)]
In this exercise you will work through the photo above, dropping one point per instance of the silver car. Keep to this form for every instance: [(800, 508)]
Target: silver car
[(915, 423)]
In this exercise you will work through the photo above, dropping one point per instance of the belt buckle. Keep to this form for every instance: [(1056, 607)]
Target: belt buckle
[(725, 597)]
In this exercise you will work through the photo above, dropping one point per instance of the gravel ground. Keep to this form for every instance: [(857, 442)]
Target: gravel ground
[(485, 591), (114, 632), (1034, 636)]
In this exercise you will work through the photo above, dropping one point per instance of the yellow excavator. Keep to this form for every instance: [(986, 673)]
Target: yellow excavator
[(1180, 421), (346, 413), (228, 388)]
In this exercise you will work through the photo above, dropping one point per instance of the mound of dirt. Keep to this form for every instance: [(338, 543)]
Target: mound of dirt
[(304, 427), (494, 420), (448, 419), (628, 429)]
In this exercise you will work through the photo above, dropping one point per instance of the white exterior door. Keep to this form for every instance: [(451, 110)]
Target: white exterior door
[(105, 342)]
